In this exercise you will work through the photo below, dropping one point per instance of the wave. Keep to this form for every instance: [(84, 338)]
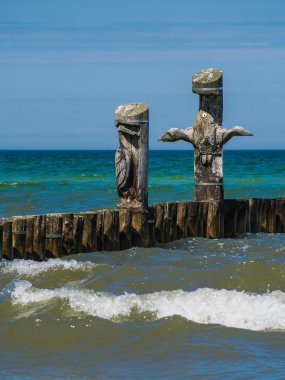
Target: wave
[(7, 184), (33, 183), (230, 308), (32, 268)]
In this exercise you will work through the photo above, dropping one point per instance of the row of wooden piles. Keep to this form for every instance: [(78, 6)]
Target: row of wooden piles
[(40, 237)]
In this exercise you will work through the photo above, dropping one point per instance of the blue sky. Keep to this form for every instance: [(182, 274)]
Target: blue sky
[(65, 65)]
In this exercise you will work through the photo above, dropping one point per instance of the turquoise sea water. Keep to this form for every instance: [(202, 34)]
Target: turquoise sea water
[(195, 308), (33, 182)]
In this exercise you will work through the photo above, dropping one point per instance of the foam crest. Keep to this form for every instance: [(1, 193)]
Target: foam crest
[(32, 268), (208, 306)]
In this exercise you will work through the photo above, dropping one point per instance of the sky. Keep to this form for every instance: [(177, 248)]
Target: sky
[(66, 65)]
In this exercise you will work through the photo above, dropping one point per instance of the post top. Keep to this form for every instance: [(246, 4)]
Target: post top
[(209, 81), (132, 112)]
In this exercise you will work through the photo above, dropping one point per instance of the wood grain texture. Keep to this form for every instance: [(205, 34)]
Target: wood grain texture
[(181, 219), (54, 236), (39, 241), (125, 229), (19, 237), (140, 229), (89, 243), (7, 240)]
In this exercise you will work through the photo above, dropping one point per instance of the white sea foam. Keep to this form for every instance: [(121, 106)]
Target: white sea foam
[(209, 306), (32, 268)]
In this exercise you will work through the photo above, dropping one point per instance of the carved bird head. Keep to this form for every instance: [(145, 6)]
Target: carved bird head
[(128, 128), (204, 119)]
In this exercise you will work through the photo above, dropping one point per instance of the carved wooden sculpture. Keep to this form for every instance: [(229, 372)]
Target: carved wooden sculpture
[(207, 135), (132, 121)]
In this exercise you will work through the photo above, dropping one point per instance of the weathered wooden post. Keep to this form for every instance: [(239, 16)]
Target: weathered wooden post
[(132, 121), (207, 135)]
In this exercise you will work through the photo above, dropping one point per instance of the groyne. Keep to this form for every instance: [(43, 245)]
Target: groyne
[(134, 223), (39, 237)]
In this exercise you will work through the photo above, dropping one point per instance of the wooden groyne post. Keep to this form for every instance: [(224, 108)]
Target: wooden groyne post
[(132, 121), (207, 135), (136, 224), (39, 237)]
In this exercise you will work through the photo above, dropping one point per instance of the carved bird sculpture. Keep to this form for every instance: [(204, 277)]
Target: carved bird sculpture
[(206, 136)]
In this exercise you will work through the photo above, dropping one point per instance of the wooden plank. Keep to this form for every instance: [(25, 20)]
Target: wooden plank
[(125, 229), (280, 215), (241, 216), (254, 215), (264, 215), (78, 225), (167, 218), (150, 221), (2, 221), (192, 219), (215, 215), (181, 219), (139, 229), (159, 222), (89, 241), (200, 221), (54, 235), (7, 240), (173, 228), (230, 218), (29, 254), (110, 230), (19, 237), (39, 241), (68, 244), (170, 217), (99, 230), (116, 233), (247, 216), (271, 226), (205, 206)]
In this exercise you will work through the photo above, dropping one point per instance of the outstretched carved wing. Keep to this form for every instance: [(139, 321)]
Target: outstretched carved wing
[(227, 134), (123, 167), (175, 134)]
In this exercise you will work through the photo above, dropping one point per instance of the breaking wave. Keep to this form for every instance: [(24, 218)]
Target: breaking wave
[(32, 268), (230, 308)]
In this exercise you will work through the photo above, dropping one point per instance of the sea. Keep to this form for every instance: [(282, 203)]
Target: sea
[(192, 309)]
